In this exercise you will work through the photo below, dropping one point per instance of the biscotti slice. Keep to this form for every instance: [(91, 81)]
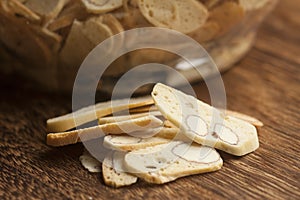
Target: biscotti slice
[(168, 162), (250, 5), (118, 118), (205, 124), (49, 9), (252, 120), (183, 16), (143, 109), (130, 143), (114, 173), (93, 112), (72, 137), (89, 162)]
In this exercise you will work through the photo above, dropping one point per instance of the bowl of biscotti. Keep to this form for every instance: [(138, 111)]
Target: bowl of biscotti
[(46, 41), (156, 138)]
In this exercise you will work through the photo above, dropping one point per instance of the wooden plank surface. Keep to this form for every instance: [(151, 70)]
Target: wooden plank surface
[(265, 84)]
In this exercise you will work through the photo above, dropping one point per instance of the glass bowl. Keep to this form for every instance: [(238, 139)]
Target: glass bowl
[(46, 41)]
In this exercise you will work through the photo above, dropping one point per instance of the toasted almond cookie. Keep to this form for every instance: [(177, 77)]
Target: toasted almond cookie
[(113, 23), (85, 134), (117, 67), (49, 9), (184, 16), (91, 113), (143, 109), (118, 118), (129, 143), (87, 35), (67, 16), (159, 13), (69, 58), (168, 162), (114, 173), (96, 32), (192, 14), (89, 162), (249, 5), (133, 18), (102, 6), (205, 124), (247, 118), (163, 132)]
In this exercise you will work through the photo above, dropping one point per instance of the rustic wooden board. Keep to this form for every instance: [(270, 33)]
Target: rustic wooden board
[(265, 84)]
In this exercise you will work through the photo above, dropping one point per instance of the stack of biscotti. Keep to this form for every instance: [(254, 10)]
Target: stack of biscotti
[(158, 139)]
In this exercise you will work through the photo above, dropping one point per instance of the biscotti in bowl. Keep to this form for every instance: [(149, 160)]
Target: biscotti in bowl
[(46, 41)]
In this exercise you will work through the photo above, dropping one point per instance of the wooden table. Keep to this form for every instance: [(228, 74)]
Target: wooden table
[(265, 84)]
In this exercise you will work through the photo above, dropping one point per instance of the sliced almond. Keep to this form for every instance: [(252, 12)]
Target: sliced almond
[(194, 118), (114, 173), (102, 6), (91, 113), (85, 134), (168, 162)]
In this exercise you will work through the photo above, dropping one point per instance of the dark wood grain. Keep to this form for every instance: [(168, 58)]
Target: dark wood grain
[(265, 84)]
